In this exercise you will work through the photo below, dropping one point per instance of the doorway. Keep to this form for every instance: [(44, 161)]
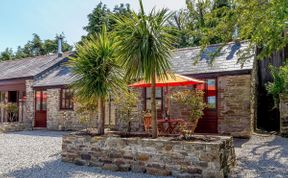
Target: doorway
[(41, 108)]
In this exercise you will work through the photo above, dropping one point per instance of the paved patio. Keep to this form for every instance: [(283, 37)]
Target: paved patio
[(37, 154)]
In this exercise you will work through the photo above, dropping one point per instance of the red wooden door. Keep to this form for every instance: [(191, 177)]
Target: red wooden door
[(209, 122), (41, 108)]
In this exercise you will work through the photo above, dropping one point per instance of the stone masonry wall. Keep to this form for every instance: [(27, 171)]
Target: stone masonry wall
[(14, 126), (161, 157), (234, 105), (283, 107), (63, 119), (29, 107)]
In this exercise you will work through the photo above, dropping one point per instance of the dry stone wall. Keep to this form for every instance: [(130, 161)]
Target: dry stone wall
[(162, 156)]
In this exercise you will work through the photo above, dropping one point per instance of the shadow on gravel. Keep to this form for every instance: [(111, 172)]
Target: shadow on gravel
[(60, 169), (41, 133), (238, 142), (272, 159)]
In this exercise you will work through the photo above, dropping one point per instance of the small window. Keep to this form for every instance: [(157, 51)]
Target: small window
[(211, 93), (66, 99)]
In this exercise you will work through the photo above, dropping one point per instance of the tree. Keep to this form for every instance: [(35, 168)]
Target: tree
[(199, 23), (99, 74), (7, 55), (103, 15), (35, 47), (97, 18), (20, 53), (279, 84), (262, 22), (179, 24), (144, 47)]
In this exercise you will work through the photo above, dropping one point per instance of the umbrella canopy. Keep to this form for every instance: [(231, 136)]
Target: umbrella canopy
[(176, 80)]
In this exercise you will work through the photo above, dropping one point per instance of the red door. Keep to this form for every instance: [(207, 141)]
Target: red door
[(209, 122), (41, 108)]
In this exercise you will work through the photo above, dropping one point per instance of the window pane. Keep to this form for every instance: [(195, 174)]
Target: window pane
[(148, 104), (38, 100), (211, 101), (44, 101), (211, 93), (158, 92), (67, 99), (158, 104)]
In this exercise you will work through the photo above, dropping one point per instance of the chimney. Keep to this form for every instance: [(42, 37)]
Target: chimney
[(60, 40)]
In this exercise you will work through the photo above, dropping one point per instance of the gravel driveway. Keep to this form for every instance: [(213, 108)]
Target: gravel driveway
[(36, 154), (264, 156)]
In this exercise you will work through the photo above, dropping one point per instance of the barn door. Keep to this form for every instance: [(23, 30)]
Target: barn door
[(40, 108)]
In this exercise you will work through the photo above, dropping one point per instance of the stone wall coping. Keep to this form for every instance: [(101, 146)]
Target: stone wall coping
[(160, 157), (216, 138)]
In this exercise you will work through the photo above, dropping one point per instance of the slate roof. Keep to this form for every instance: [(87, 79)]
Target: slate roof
[(183, 62), (189, 61), (60, 75), (29, 67)]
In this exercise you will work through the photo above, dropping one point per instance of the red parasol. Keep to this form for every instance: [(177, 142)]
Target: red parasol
[(176, 80)]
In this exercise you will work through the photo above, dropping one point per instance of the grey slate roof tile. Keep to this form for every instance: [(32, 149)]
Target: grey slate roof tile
[(28, 67), (61, 75), (189, 61), (183, 62)]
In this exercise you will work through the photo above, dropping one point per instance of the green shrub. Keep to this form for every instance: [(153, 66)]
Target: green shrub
[(279, 84)]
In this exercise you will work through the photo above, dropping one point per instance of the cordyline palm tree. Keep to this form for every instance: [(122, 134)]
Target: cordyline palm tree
[(144, 47), (96, 68)]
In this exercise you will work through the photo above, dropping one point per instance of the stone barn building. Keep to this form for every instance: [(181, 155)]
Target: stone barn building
[(38, 87)]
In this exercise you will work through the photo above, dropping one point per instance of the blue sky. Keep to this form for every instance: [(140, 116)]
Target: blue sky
[(19, 19)]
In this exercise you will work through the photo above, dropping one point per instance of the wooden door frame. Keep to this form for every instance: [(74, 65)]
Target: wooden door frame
[(35, 105)]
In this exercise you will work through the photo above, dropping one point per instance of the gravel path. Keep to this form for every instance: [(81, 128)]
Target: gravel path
[(36, 154), (263, 156)]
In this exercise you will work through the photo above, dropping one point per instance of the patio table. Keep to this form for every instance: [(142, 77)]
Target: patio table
[(169, 126)]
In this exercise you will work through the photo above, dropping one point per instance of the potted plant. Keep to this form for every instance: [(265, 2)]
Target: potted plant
[(12, 111), (193, 100)]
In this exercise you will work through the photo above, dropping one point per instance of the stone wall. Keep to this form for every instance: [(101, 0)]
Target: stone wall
[(236, 109), (14, 126), (29, 107), (234, 105), (283, 107), (58, 119), (162, 156)]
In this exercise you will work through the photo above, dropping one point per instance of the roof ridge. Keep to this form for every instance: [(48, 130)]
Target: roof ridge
[(212, 45), (65, 54)]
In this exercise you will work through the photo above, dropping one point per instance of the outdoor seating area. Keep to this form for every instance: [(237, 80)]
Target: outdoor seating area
[(165, 124)]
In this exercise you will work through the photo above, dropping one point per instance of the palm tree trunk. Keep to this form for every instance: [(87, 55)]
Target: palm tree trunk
[(101, 116), (153, 108)]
